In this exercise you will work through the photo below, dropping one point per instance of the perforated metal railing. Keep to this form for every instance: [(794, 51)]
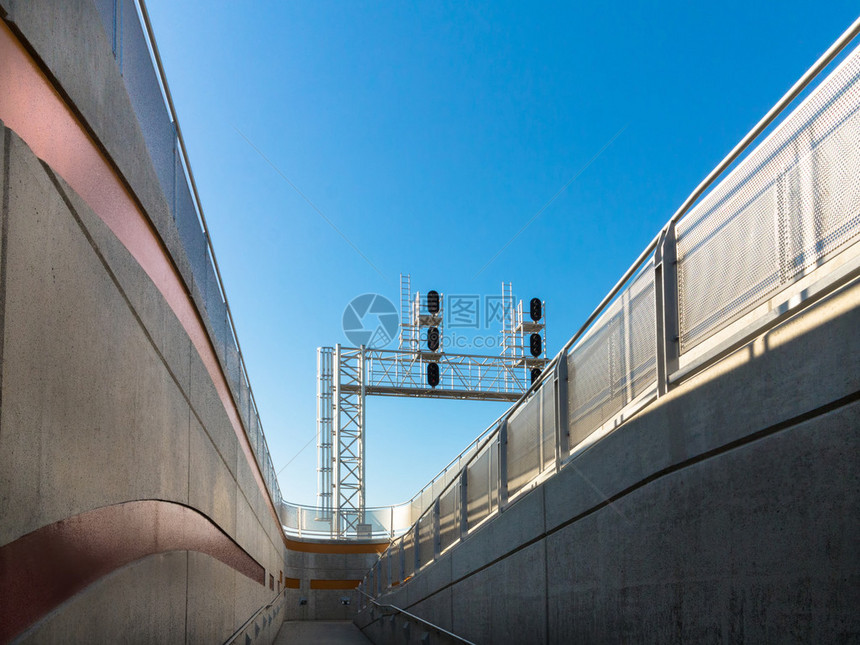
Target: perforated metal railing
[(314, 522), (128, 31), (787, 216), (789, 206), (617, 360)]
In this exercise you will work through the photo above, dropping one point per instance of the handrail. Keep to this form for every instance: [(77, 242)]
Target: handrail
[(374, 512), (417, 619), (823, 61), (706, 183), (232, 638)]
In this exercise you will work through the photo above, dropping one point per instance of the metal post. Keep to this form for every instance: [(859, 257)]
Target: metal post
[(388, 566), (666, 301), (335, 433), (361, 437), (324, 430), (627, 349), (464, 504), (503, 464), (437, 538), (562, 425)]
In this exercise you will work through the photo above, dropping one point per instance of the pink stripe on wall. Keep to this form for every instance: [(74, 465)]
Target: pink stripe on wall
[(42, 569), (32, 108)]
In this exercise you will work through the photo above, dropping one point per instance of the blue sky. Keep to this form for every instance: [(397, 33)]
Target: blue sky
[(429, 134)]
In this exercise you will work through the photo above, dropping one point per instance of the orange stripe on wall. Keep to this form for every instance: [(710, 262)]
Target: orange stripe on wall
[(335, 584), (336, 547), (292, 583), (34, 110)]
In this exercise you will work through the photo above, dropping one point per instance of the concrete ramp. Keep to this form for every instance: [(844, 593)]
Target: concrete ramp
[(320, 632)]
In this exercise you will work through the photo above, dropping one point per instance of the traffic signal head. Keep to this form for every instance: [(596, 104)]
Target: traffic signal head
[(432, 374), (536, 309), (535, 374), (433, 301), (433, 338), (535, 345)]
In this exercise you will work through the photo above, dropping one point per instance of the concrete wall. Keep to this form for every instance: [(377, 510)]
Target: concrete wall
[(105, 401), (316, 566), (727, 511)]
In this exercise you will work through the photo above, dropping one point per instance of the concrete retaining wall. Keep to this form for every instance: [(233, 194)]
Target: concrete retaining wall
[(727, 511), (106, 401), (316, 570)]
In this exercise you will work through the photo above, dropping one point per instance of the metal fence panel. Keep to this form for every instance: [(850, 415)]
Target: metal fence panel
[(190, 232), (313, 523), (482, 483), (426, 536), (547, 423), (790, 205), (144, 90), (384, 571), (524, 444), (449, 517), (396, 551), (408, 554), (233, 373), (379, 520), (253, 429), (216, 311), (616, 360), (244, 398)]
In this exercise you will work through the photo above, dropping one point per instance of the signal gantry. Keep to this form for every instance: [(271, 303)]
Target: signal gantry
[(419, 367)]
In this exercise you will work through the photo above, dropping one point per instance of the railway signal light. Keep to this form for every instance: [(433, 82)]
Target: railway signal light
[(432, 374), (536, 309), (433, 338), (535, 345), (535, 374), (433, 301)]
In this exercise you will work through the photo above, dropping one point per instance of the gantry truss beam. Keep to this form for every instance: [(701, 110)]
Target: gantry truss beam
[(462, 376)]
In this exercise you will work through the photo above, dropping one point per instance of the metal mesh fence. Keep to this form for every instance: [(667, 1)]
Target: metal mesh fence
[(422, 499), (790, 205), (190, 232), (547, 423), (385, 570), (426, 538), (449, 525), (616, 361), (524, 444), (408, 554), (396, 551), (144, 90), (482, 483)]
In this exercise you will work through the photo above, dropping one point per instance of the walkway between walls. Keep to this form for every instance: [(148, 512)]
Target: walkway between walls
[(320, 632)]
